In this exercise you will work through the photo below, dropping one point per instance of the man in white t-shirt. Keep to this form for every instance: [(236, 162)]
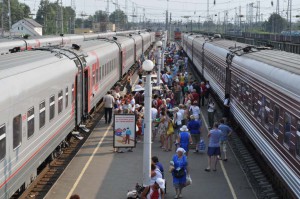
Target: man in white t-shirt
[(195, 110), (165, 78), (153, 118), (132, 102), (109, 101)]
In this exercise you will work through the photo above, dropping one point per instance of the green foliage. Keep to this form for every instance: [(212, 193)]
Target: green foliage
[(119, 18), (276, 23), (18, 11), (48, 16), (100, 16)]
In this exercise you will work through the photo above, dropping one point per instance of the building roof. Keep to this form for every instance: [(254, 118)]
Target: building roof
[(32, 22)]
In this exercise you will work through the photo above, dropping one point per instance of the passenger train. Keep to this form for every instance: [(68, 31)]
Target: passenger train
[(20, 44), (264, 96), (47, 92)]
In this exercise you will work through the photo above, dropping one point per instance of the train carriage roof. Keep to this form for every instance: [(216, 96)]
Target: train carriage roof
[(279, 59), (16, 63)]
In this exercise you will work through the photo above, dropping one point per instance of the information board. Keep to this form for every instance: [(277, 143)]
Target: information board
[(124, 130)]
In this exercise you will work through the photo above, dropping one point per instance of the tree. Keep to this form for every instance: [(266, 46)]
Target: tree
[(100, 16), (18, 11), (48, 16), (119, 18), (276, 23)]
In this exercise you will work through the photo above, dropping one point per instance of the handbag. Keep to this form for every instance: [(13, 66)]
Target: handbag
[(179, 173), (188, 180), (170, 128)]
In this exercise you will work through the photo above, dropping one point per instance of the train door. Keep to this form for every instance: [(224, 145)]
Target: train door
[(86, 91), (78, 98), (135, 52), (229, 58), (79, 103)]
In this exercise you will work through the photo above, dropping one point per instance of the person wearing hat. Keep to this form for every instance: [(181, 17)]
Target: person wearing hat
[(179, 171), (184, 138), (156, 190)]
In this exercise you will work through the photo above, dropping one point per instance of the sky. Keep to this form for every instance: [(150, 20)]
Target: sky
[(155, 9)]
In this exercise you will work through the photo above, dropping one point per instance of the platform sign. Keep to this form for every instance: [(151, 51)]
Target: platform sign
[(124, 130)]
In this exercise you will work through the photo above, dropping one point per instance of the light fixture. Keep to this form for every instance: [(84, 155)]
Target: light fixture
[(159, 44), (148, 65)]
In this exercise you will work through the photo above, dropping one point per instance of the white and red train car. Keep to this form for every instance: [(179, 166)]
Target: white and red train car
[(47, 92)]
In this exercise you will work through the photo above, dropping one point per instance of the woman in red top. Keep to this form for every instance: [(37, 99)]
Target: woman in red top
[(203, 91)]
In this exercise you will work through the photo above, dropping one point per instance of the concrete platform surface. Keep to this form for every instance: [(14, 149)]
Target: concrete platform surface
[(97, 172)]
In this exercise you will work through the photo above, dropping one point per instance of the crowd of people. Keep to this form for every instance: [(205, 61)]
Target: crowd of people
[(176, 118)]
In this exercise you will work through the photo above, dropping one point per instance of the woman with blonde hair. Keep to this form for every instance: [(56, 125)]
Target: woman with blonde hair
[(169, 135)]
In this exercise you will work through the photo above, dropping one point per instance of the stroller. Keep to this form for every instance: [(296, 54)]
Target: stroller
[(136, 193)]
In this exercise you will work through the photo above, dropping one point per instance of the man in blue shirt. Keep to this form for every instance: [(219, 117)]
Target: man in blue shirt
[(226, 131), (213, 146)]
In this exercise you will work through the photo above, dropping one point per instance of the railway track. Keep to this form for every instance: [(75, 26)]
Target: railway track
[(52, 169), (252, 163)]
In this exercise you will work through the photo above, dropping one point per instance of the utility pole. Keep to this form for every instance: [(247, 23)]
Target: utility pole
[(207, 10), (73, 6), (132, 12), (144, 17), (257, 17), (9, 16), (57, 17), (277, 7), (240, 18), (290, 10), (167, 19), (126, 13), (107, 7), (251, 5), (61, 17), (2, 18)]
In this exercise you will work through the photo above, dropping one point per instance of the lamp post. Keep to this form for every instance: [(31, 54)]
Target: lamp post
[(159, 53), (163, 47), (147, 66)]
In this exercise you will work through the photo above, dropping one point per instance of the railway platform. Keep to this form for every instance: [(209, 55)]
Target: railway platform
[(98, 172)]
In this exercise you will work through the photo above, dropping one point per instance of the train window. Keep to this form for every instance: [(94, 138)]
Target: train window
[(102, 71), (97, 76), (253, 101), (67, 97), (260, 108), (93, 78), (2, 141), (287, 129), (267, 115), (30, 122), (73, 93), (246, 96), (52, 107), (17, 131), (99, 73), (42, 114), (60, 101), (276, 121), (243, 92), (297, 139)]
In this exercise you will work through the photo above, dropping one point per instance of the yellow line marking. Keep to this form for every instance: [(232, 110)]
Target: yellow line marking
[(223, 168), (87, 164)]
